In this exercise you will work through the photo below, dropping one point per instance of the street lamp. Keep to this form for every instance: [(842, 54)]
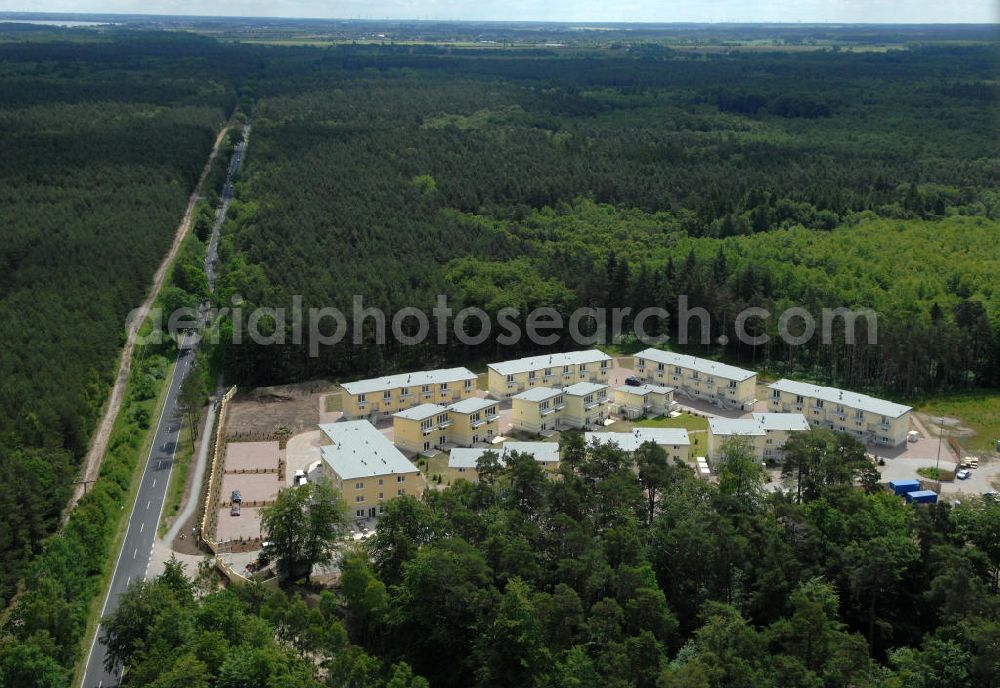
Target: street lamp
[(937, 464)]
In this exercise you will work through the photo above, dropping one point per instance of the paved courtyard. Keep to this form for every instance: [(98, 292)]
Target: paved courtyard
[(246, 526), (254, 487), (252, 456)]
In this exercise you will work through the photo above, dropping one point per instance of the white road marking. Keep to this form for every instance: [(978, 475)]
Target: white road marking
[(154, 482), (141, 527), (148, 503), (135, 552)]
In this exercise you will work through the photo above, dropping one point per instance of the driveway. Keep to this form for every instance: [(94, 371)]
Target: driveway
[(302, 451)]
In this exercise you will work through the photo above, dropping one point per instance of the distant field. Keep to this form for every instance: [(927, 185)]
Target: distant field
[(978, 411)]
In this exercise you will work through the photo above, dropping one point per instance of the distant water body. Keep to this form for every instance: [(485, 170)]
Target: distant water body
[(53, 22)]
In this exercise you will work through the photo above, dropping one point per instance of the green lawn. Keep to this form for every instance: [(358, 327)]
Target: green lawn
[(178, 477), (333, 402), (978, 410), (687, 421), (436, 465)]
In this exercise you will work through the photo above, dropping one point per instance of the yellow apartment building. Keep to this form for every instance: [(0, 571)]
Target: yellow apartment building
[(421, 428), (383, 396), (537, 410), (767, 433), (723, 385), (509, 378), (639, 401), (587, 404), (473, 420), (364, 465), (675, 441), (462, 463), (871, 420)]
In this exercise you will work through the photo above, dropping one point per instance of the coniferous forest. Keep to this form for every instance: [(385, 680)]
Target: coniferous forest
[(622, 173)]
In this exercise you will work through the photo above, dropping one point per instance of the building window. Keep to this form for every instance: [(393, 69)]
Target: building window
[(359, 499), (775, 394), (380, 481), (531, 374), (361, 398), (381, 495), (400, 478), (387, 394), (548, 372), (425, 389), (565, 369), (468, 384), (359, 486), (404, 390), (444, 386), (583, 367), (732, 384), (360, 513), (604, 364), (400, 492)]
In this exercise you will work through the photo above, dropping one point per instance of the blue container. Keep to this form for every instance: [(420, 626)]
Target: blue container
[(921, 497), (901, 487)]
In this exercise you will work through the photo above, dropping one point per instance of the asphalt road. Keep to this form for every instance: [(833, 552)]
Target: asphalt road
[(137, 547)]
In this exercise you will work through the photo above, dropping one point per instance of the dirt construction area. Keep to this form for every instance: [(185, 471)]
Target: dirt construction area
[(260, 412)]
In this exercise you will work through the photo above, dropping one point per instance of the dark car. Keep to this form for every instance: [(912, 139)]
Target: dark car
[(633, 382)]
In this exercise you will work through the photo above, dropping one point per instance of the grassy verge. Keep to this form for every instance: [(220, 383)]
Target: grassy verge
[(124, 441), (979, 411), (178, 478)]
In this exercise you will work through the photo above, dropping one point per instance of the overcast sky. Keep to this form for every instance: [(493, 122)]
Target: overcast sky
[(875, 11)]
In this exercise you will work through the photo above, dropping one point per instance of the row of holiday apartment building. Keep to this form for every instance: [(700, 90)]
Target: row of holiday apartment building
[(369, 470), (531, 383)]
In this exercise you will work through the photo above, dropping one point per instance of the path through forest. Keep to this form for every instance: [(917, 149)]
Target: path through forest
[(99, 441)]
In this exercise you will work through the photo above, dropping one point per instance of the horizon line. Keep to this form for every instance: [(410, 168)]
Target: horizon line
[(649, 22)]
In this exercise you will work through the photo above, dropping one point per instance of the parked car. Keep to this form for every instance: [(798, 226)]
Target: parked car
[(300, 478), (963, 474), (234, 510), (633, 382)]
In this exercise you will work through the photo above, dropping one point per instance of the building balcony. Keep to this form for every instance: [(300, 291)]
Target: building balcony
[(444, 425), (546, 412)]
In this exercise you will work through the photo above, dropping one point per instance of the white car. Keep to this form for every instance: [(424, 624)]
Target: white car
[(963, 474)]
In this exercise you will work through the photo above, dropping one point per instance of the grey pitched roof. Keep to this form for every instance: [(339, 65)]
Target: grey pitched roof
[(523, 365), (833, 395), (643, 390), (420, 412), (471, 405), (360, 450), (630, 441), (544, 452), (414, 379), (702, 365), (537, 394), (583, 388)]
